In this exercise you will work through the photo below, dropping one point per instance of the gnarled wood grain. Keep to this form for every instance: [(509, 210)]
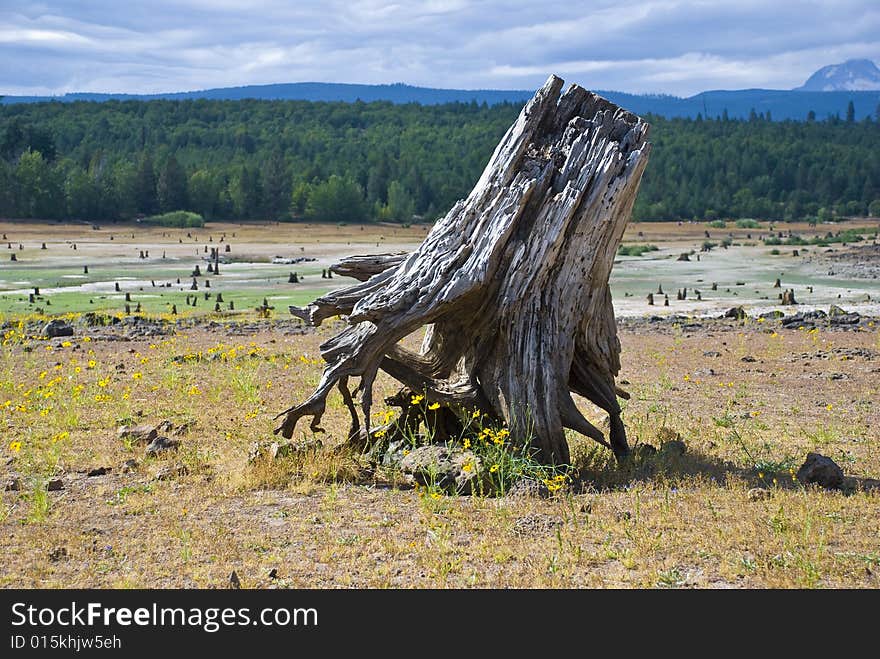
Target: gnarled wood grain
[(512, 284)]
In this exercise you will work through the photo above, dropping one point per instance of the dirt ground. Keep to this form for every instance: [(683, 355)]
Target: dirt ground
[(731, 407), (749, 400)]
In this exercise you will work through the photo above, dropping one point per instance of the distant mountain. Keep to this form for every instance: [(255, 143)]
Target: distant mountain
[(852, 75), (779, 104), (310, 91)]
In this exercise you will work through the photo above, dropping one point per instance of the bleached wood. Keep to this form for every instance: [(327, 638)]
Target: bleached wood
[(512, 283)]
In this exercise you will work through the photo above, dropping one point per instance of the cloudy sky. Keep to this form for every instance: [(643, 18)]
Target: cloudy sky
[(663, 46)]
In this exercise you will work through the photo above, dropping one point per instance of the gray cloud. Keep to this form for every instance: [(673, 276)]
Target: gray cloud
[(666, 46)]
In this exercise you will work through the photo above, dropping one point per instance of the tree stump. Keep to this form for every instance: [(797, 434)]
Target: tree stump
[(511, 286)]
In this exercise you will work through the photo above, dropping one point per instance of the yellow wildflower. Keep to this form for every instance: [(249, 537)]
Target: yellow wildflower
[(15, 446), (434, 406)]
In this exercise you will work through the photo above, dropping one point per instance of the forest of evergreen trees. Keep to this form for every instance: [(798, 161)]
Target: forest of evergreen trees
[(355, 162)]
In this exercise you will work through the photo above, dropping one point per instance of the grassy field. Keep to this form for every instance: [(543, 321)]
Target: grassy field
[(748, 399)]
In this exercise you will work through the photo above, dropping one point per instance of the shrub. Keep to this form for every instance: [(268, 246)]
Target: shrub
[(636, 250), (748, 223), (176, 219)]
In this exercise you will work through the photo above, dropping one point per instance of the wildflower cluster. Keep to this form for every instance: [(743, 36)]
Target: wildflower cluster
[(499, 458)]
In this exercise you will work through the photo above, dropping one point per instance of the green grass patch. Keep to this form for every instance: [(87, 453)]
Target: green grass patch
[(845, 236), (177, 219), (636, 250)]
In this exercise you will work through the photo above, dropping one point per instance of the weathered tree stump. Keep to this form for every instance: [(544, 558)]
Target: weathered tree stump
[(512, 286)]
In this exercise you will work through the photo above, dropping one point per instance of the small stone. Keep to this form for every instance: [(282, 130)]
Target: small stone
[(821, 470), (448, 469), (748, 359), (56, 328), (234, 582), (13, 484), (273, 573), (758, 494), (98, 471), (144, 433), (711, 353), (129, 465), (160, 445), (54, 485)]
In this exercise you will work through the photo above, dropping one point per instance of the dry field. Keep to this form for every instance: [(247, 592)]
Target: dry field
[(748, 400)]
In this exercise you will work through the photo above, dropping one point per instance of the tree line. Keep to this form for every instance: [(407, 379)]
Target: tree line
[(357, 162)]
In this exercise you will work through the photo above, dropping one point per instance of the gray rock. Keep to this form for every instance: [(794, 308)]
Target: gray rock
[(98, 471), (13, 484), (57, 327), (160, 445), (452, 470), (820, 470), (141, 434), (395, 452), (758, 494), (527, 488), (129, 465), (54, 485)]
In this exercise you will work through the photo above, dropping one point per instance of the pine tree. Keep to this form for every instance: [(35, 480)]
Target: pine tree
[(171, 187), (147, 201)]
